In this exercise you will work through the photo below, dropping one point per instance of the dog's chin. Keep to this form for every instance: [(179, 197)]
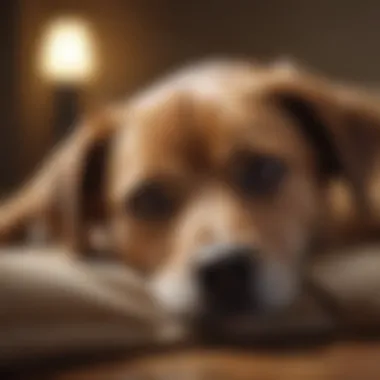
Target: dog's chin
[(180, 297), (230, 327), (243, 324), (250, 314)]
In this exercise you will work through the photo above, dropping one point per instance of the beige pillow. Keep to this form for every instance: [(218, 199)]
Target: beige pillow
[(52, 305)]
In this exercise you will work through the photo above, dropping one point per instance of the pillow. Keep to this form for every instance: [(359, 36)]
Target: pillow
[(51, 305), (55, 306)]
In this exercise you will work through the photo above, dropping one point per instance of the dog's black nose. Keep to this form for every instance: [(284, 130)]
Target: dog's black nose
[(226, 281)]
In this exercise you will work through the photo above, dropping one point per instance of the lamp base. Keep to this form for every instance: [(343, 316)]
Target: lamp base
[(66, 109)]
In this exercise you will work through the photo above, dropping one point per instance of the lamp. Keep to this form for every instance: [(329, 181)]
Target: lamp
[(67, 62)]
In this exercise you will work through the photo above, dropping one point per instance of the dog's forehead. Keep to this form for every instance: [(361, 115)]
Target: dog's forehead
[(185, 101), (213, 108), (208, 80)]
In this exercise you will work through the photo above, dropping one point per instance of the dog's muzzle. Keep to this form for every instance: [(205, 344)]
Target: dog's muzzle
[(228, 280)]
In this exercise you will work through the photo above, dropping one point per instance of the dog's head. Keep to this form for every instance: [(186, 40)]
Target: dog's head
[(213, 182)]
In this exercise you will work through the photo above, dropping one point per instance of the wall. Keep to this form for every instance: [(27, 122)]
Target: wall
[(138, 40), (8, 126)]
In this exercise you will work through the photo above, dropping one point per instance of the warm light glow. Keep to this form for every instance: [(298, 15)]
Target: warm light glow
[(67, 52)]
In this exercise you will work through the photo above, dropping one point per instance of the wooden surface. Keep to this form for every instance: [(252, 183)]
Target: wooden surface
[(356, 361)]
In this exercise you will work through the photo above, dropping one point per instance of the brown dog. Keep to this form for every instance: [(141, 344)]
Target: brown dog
[(215, 183)]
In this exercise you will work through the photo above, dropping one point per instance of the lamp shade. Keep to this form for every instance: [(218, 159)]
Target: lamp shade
[(67, 53)]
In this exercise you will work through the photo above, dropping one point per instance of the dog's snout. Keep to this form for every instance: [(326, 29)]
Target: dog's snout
[(225, 280)]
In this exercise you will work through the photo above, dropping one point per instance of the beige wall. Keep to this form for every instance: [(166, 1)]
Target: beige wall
[(138, 39)]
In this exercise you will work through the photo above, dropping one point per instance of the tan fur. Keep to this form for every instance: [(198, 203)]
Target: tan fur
[(185, 129)]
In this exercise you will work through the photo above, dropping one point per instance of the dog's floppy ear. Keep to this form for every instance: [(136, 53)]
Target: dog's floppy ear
[(67, 190), (80, 190), (341, 123)]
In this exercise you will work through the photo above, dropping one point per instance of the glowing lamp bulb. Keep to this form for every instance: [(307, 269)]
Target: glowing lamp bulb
[(67, 54)]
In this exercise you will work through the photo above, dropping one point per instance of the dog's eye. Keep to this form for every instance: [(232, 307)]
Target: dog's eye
[(152, 201), (258, 175)]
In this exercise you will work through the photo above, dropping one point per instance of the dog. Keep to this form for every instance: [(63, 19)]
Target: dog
[(215, 183)]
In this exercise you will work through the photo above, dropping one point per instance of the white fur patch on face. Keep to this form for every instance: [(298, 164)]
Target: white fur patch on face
[(176, 292)]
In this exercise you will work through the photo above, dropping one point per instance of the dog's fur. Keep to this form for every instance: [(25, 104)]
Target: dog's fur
[(180, 138)]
